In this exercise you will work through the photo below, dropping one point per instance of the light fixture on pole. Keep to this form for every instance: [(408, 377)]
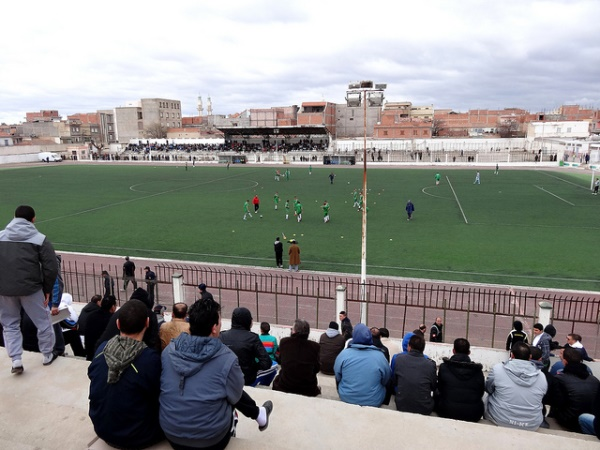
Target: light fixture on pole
[(364, 93)]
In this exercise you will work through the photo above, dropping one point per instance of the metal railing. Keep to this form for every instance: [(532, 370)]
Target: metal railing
[(482, 315)]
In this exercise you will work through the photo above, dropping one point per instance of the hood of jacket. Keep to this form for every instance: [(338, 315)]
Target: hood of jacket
[(405, 340), (462, 367), (522, 373), (191, 352), (241, 319), (22, 230), (332, 332), (362, 335)]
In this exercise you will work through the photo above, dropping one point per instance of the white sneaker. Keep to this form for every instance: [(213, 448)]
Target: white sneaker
[(17, 367), (49, 358)]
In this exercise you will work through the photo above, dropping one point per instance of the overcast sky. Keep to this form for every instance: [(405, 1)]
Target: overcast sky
[(75, 56)]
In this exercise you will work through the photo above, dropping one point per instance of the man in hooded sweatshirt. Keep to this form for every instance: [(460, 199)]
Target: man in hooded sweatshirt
[(332, 342), (125, 384), (461, 385), (202, 385), (362, 373), (516, 389), (29, 269), (246, 345)]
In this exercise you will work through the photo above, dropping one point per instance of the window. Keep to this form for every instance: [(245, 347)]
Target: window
[(401, 132), (161, 114), (415, 132), (385, 133), (568, 129), (167, 115)]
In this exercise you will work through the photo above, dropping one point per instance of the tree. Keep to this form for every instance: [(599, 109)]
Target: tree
[(508, 128), (156, 131), (436, 127)]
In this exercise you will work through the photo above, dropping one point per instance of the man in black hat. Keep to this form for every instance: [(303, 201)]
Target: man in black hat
[(204, 294)]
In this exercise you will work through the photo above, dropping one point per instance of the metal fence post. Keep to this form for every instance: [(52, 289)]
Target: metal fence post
[(494, 325), (276, 305), (256, 290), (340, 301), (178, 292), (468, 318)]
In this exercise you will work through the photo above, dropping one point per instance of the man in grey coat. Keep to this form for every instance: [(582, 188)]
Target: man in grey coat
[(516, 389), (29, 270)]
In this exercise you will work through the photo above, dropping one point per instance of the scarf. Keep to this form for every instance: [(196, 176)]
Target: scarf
[(119, 353)]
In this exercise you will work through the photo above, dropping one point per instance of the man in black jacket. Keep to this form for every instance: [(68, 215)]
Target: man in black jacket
[(573, 391), (460, 385), (248, 347)]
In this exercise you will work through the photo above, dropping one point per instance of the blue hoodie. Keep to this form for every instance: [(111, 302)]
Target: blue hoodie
[(361, 371), (201, 381)]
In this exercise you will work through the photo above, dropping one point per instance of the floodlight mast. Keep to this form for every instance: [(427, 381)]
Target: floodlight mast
[(359, 90)]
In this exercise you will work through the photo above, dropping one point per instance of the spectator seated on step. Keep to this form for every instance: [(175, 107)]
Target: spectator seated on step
[(362, 373)]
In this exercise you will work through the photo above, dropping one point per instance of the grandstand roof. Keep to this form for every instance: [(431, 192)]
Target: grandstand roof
[(270, 131)]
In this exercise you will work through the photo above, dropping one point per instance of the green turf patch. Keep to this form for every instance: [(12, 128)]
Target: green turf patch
[(521, 227)]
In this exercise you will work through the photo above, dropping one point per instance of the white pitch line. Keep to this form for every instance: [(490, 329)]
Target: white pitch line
[(249, 258), (565, 181), (554, 195), (457, 201), (432, 195)]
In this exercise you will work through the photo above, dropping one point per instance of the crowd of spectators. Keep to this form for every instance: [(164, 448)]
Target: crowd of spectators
[(205, 369)]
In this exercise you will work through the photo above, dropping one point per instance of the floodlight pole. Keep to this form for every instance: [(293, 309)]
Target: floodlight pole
[(363, 253), (359, 91)]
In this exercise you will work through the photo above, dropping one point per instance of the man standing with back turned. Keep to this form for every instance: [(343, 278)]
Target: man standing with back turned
[(29, 269)]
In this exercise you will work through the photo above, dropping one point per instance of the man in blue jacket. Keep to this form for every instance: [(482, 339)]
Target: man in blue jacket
[(29, 269), (125, 384), (362, 373)]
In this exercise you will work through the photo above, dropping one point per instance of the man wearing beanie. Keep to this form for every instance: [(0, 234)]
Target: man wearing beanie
[(361, 372), (151, 338), (332, 343)]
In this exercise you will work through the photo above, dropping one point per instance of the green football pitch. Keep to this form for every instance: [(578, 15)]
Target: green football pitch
[(520, 227)]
